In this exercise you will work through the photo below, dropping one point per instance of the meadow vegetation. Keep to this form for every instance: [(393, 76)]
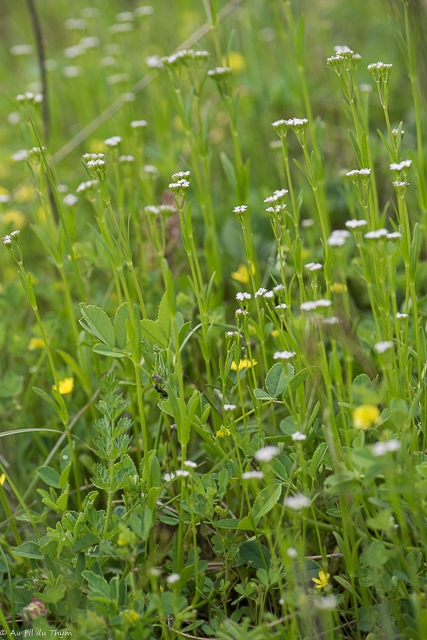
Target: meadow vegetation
[(213, 315)]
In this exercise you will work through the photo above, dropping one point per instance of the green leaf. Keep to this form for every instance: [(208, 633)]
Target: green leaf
[(11, 385), (229, 170), (50, 477), (88, 540), (122, 314), (262, 395), (317, 459), (29, 550), (155, 334), (295, 382), (163, 316), (400, 41), (104, 350), (266, 500), (98, 324), (250, 554), (64, 476), (99, 589), (278, 377), (375, 555), (356, 148)]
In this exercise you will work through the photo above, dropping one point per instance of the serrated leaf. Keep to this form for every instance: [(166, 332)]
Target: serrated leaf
[(155, 334), (278, 378), (99, 324)]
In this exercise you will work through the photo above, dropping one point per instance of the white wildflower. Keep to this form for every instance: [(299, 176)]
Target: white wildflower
[(21, 50), (260, 292), (381, 347), (375, 235), (405, 164), (190, 463), (284, 355), (292, 553), (297, 502), (266, 454), (401, 315), (243, 296), (173, 578), (182, 474), (113, 141), (70, 200), (381, 448), (327, 603), (308, 222), (282, 306), (241, 209), (252, 475), (229, 407), (353, 224), (313, 266), (298, 436)]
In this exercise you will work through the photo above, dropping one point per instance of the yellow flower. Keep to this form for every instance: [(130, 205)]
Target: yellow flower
[(245, 363), (65, 386), (25, 193), (337, 287), (131, 616), (322, 581), (365, 415), (275, 333), (223, 432), (36, 343), (15, 217), (241, 275), (2, 479), (236, 61)]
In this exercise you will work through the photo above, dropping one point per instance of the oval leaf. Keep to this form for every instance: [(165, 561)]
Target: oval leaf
[(278, 378)]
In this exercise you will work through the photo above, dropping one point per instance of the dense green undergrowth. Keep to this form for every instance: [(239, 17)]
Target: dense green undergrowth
[(213, 322)]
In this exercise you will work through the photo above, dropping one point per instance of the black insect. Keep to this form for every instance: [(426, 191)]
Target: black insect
[(159, 386)]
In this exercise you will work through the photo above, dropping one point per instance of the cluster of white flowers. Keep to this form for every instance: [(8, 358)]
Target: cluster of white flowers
[(219, 72), (184, 55), (379, 66), (260, 292), (190, 464), (21, 50), (284, 355), (117, 78), (266, 454), (70, 200), (383, 233), (312, 305), (154, 62), (308, 222), (399, 184), (182, 473), (338, 238), (313, 266), (229, 407), (137, 124), (74, 52), (181, 174), (90, 42), (11, 236), (29, 96), (242, 312), (353, 224), (297, 502), (75, 24), (20, 155), (298, 436), (113, 141), (252, 475), (173, 578), (243, 296), (240, 209), (401, 315), (145, 10), (405, 164), (4, 198), (381, 448), (126, 158), (381, 347), (125, 16), (96, 164), (331, 320), (93, 156), (277, 209), (231, 334), (327, 603), (121, 27), (85, 186), (279, 287), (180, 184), (282, 306), (72, 71)]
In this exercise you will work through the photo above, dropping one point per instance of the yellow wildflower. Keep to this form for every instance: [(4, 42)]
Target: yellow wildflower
[(15, 217), (241, 275), (245, 363), (36, 343), (65, 386), (365, 415), (338, 287), (236, 61), (131, 616), (25, 193), (322, 581), (2, 479), (223, 432), (275, 333)]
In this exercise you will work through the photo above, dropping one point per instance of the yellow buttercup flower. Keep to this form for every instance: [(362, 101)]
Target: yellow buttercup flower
[(131, 616), (241, 275), (223, 432), (65, 386), (15, 217), (322, 580), (36, 343), (338, 287), (365, 416), (2, 479), (245, 363), (236, 61)]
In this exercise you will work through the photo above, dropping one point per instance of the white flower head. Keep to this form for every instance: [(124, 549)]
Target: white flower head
[(282, 306), (173, 578), (126, 158), (292, 553), (243, 296), (284, 355), (279, 287), (327, 603), (21, 50), (182, 473), (241, 209), (338, 238), (4, 198), (229, 407), (298, 436), (260, 292), (353, 224), (252, 475), (266, 454), (375, 235), (297, 502), (113, 141), (308, 222), (381, 347), (381, 448), (138, 124), (405, 164), (331, 320), (70, 200), (181, 174), (242, 312), (190, 463), (401, 315), (312, 305), (313, 266), (168, 477)]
